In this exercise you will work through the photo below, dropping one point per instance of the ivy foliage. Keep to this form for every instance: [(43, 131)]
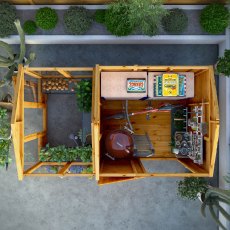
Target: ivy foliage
[(64, 154), (84, 95), (46, 18), (29, 27), (191, 186), (214, 18), (99, 16), (223, 64)]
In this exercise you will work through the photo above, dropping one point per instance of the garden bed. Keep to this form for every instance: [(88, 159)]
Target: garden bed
[(193, 28)]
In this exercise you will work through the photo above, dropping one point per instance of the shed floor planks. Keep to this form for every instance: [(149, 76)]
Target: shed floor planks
[(158, 127)]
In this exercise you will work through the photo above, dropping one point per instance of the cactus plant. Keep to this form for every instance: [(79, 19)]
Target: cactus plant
[(12, 60)]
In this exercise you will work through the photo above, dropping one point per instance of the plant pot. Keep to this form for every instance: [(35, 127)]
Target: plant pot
[(23, 62), (201, 196)]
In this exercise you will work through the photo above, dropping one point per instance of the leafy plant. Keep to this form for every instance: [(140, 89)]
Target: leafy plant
[(214, 18), (213, 197), (88, 169), (46, 18), (99, 16), (64, 154), (29, 27), (146, 15), (190, 186), (175, 22), (12, 60), (5, 138), (77, 20), (7, 17), (223, 64), (117, 19), (84, 95)]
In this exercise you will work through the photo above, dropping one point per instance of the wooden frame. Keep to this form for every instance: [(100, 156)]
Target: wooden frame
[(40, 101), (205, 93)]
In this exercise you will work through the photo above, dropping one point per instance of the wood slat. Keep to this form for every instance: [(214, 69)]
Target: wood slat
[(32, 74), (64, 73), (65, 168), (33, 168), (34, 136), (33, 105)]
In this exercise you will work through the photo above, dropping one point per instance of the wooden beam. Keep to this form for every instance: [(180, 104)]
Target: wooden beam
[(70, 69), (173, 158), (64, 73), (64, 169), (16, 116), (214, 148), (32, 74), (167, 174), (59, 175), (16, 142), (187, 163), (33, 168), (34, 136), (33, 105), (97, 150)]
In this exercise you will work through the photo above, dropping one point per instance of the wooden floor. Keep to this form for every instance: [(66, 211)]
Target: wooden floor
[(158, 127)]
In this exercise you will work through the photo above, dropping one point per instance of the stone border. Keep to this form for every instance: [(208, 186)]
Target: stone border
[(110, 39), (95, 7), (224, 139)]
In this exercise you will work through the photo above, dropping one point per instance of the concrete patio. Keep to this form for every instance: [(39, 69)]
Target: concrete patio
[(78, 203)]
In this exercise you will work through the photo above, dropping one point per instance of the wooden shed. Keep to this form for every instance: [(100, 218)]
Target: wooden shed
[(158, 126)]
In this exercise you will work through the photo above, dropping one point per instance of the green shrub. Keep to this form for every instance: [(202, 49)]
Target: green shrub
[(117, 19), (223, 64), (77, 20), (29, 27), (84, 95), (214, 18), (146, 15), (46, 18), (64, 154), (99, 16), (4, 138), (7, 17), (175, 22), (190, 186)]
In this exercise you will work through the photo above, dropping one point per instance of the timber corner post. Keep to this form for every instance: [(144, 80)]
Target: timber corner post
[(17, 122)]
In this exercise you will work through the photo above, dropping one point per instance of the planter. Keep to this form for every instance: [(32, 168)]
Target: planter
[(98, 33), (201, 197)]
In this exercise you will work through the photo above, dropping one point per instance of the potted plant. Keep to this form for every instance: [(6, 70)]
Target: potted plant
[(223, 64), (193, 188), (12, 60), (212, 199)]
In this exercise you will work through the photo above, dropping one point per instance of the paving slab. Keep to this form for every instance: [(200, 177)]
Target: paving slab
[(78, 203)]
